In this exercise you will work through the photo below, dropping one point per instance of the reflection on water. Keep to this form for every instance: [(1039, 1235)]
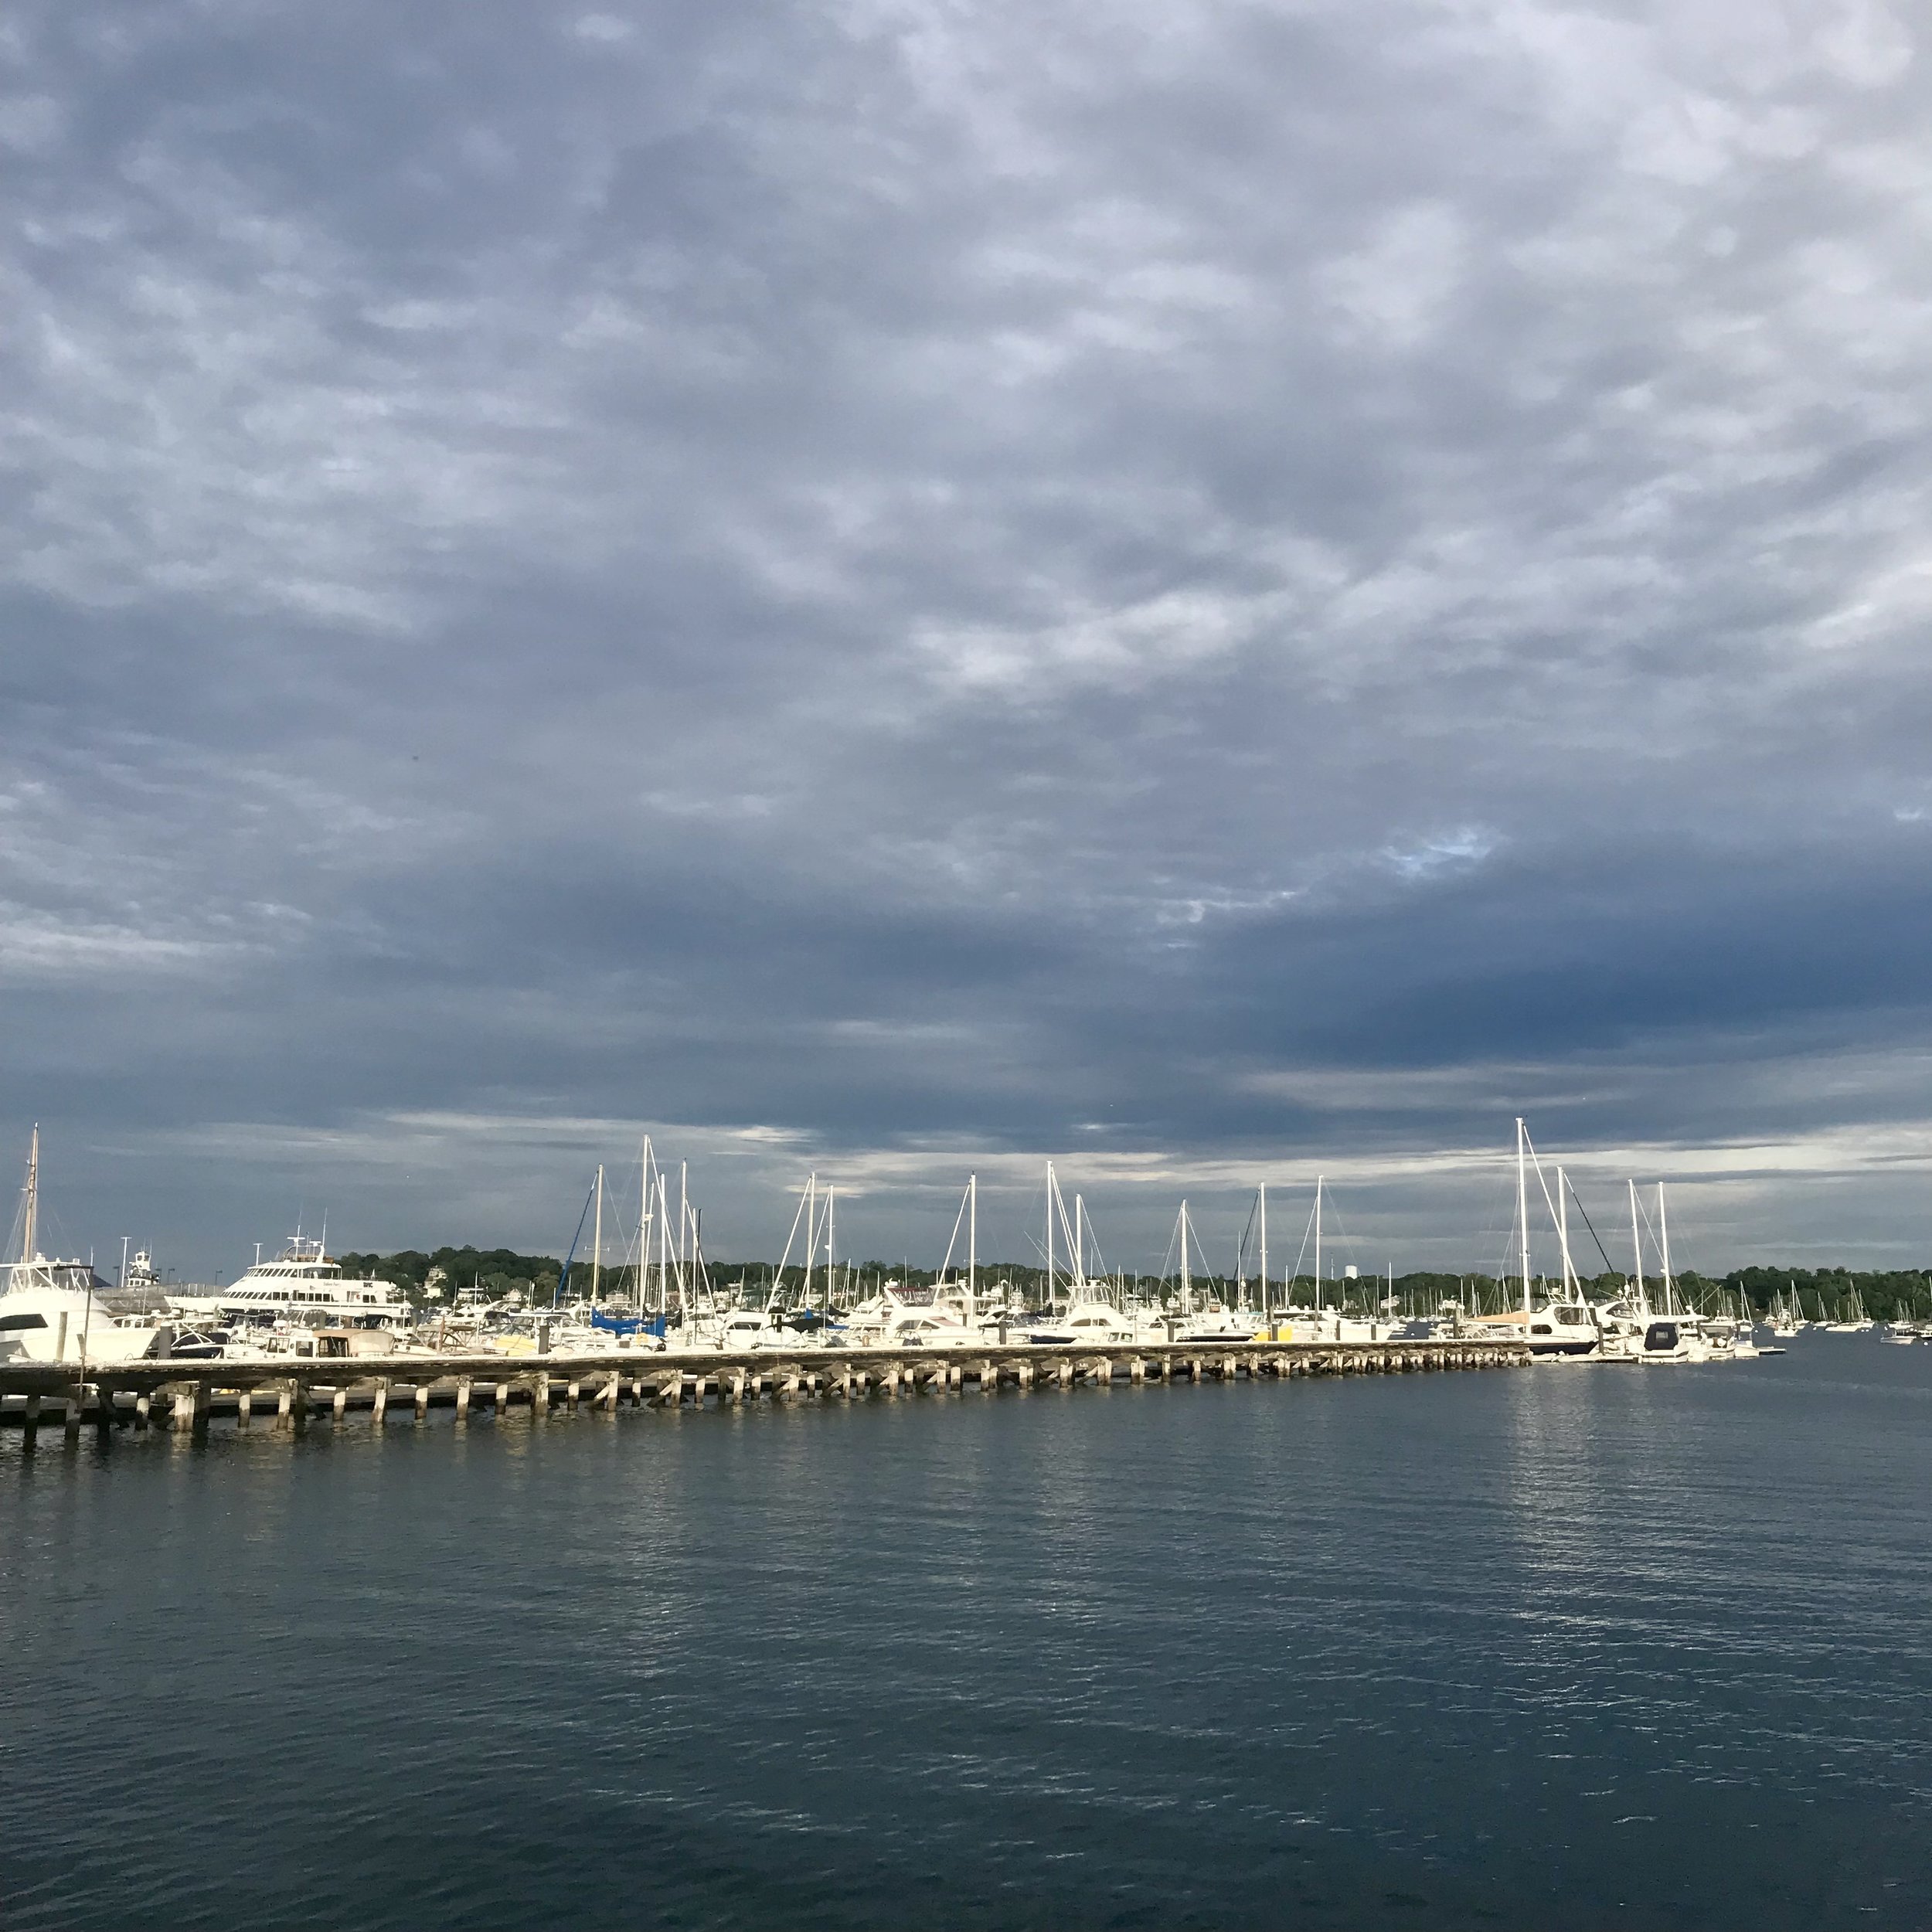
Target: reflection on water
[(1643, 1648)]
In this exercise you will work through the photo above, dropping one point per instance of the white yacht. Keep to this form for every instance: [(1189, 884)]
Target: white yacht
[(304, 1286), (1087, 1322), (52, 1311)]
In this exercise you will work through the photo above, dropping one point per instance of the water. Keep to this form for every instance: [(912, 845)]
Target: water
[(1630, 1648)]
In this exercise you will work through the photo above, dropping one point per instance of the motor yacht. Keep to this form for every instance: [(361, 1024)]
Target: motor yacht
[(55, 1311), (1084, 1324), (302, 1287)]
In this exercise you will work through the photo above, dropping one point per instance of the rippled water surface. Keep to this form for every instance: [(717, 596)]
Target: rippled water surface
[(1582, 1646)]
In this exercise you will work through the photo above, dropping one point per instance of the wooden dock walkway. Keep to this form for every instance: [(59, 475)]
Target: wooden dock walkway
[(291, 1394)]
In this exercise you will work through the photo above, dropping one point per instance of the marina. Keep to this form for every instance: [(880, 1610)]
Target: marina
[(299, 1338)]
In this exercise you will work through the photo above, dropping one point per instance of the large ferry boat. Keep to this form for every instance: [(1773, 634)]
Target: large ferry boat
[(304, 1286)]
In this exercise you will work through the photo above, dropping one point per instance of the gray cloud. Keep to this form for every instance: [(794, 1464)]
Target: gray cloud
[(1215, 588)]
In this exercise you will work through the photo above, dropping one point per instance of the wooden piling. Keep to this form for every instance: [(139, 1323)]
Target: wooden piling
[(378, 1409)]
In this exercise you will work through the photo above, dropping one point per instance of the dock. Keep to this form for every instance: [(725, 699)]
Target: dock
[(289, 1395)]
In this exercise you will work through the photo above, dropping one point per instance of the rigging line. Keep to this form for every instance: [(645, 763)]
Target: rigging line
[(954, 1236), (1536, 1161), (1171, 1239), (1342, 1232), (1609, 1266), (1303, 1250), (557, 1292), (1650, 1226)]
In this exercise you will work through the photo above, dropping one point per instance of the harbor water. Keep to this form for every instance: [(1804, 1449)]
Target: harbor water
[(1594, 1646)]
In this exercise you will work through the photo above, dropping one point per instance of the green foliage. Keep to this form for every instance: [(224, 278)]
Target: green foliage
[(1900, 1293), (496, 1271), (1822, 1292)]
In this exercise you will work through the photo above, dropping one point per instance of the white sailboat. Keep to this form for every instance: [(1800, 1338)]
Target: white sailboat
[(1566, 1328)]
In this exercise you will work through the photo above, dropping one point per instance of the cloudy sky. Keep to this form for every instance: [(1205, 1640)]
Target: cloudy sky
[(1215, 590)]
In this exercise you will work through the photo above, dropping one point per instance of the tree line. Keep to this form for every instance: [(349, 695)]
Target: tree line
[(499, 1273)]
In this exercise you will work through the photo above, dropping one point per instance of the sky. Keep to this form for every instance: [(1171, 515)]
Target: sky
[(1217, 592)]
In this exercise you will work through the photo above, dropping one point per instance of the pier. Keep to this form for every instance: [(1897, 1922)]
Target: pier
[(291, 1395)]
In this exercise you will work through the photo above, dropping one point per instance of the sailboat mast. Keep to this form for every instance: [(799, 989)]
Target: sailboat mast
[(596, 1240), (1050, 1186), (1522, 1210), (664, 1245), (1187, 1279), (1637, 1248), (811, 1238), (644, 1218), (972, 1245), (29, 1233), (1563, 1226), (1079, 1243), (1267, 1305), (1318, 1241), (1663, 1242)]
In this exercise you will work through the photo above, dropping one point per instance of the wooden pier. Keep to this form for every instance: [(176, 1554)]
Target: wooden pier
[(291, 1395)]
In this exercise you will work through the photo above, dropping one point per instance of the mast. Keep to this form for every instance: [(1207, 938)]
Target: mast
[(1563, 1227), (1637, 1245), (1187, 1279), (1522, 1211), (812, 1239), (1266, 1306), (832, 1196), (1079, 1243), (664, 1245), (29, 1232), (644, 1218), (597, 1240), (972, 1245), (1049, 1234), (1317, 1242), (1663, 1242)]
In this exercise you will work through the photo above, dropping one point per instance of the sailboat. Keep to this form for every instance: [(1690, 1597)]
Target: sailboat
[(1089, 1317), (1567, 1328)]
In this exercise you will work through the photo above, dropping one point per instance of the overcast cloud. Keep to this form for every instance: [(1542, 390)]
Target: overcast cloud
[(1212, 590)]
